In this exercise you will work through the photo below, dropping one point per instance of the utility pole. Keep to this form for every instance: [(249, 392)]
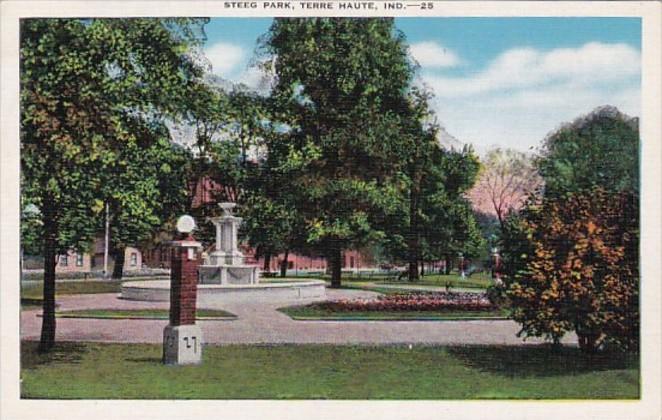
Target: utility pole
[(105, 243)]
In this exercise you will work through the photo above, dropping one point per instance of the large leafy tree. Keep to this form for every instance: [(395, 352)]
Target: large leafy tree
[(272, 223), (450, 227), (432, 220), (339, 84), (443, 224), (82, 83), (205, 122), (228, 125), (572, 254), (421, 149), (599, 149), (582, 274), (152, 176)]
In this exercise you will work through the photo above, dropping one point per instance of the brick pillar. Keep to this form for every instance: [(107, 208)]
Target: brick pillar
[(183, 283), (182, 339)]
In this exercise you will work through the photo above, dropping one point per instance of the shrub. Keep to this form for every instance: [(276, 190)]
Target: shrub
[(582, 274), (496, 294)]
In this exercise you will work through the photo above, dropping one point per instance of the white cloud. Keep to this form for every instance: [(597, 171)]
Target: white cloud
[(521, 120), (525, 93), (527, 67), (253, 78), (224, 57), (258, 77), (430, 54)]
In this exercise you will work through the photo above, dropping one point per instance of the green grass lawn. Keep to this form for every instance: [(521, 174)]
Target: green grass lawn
[(313, 312), (284, 280), (140, 314), (35, 291), (477, 281), (94, 370), (32, 294)]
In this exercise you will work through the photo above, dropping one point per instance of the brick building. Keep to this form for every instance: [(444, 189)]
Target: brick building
[(83, 262), (73, 262), (133, 259), (351, 260)]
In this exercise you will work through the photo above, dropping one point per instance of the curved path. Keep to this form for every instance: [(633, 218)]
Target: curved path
[(261, 323)]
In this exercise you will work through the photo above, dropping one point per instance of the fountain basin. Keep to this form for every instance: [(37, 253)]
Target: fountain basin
[(210, 294), (228, 274)]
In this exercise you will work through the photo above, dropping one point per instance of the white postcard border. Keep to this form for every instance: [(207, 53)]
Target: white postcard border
[(648, 407)]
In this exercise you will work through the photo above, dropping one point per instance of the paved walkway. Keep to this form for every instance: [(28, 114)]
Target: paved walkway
[(261, 323)]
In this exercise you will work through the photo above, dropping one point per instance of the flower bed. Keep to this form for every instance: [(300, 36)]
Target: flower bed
[(419, 301)]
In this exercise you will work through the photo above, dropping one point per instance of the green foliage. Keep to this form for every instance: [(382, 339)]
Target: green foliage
[(432, 219), (248, 114), (600, 149), (571, 255), (583, 272), (271, 224), (91, 89), (339, 85), (31, 230), (152, 181), (363, 153), (230, 130), (444, 223), (450, 226)]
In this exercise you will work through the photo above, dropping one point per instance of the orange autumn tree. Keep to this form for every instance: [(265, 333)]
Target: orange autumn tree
[(583, 273)]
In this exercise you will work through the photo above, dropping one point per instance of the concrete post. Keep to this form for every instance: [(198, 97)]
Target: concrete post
[(182, 339)]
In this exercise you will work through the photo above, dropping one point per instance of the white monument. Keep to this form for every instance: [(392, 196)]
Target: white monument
[(225, 264), (223, 277)]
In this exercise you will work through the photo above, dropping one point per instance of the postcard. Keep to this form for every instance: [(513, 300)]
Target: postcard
[(330, 209)]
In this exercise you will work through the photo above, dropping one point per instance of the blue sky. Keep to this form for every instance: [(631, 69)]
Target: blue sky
[(498, 81)]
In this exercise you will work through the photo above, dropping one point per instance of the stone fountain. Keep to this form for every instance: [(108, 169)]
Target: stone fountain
[(225, 264), (224, 277)]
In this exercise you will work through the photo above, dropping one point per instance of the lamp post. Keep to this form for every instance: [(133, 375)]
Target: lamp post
[(182, 339)]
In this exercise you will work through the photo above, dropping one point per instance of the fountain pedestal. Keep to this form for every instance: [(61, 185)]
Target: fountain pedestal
[(225, 265)]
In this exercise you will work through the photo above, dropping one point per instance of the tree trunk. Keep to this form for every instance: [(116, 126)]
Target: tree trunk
[(335, 261), (412, 240), (412, 253), (588, 341), (422, 268), (283, 264), (266, 266), (449, 264), (118, 267), (47, 340), (556, 345)]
